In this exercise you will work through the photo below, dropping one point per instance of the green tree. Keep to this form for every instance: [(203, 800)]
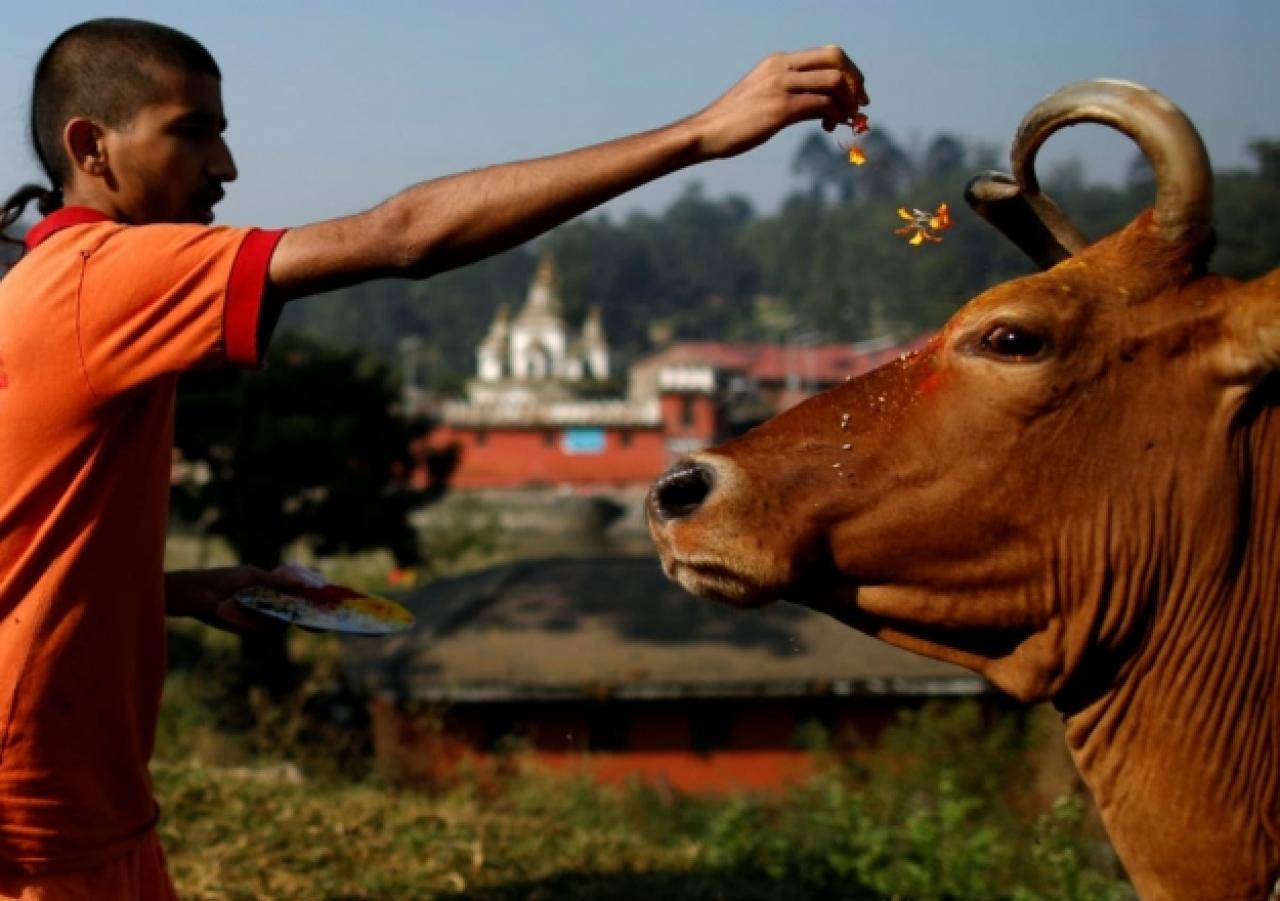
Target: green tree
[(308, 448), (1245, 219), (945, 158), (820, 163)]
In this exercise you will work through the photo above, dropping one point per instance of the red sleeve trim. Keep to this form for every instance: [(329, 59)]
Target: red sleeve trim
[(245, 289)]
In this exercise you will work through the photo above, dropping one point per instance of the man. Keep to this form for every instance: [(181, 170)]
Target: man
[(124, 285)]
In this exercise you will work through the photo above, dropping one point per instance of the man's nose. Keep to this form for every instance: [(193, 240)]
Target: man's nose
[(223, 166)]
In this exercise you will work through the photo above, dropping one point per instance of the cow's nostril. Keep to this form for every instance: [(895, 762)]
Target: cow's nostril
[(682, 489)]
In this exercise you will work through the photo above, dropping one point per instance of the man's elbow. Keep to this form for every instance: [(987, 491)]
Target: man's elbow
[(412, 247)]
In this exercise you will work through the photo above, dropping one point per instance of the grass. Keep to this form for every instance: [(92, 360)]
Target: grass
[(267, 833), (279, 799)]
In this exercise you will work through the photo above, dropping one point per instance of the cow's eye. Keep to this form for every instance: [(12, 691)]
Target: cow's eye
[(1013, 342)]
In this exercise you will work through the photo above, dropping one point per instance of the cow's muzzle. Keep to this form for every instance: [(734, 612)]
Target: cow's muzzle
[(681, 490)]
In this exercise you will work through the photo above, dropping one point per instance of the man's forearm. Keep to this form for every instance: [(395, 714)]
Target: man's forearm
[(456, 220), (447, 222)]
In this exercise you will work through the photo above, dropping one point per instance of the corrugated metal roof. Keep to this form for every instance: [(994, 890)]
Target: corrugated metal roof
[(563, 628), (825, 364)]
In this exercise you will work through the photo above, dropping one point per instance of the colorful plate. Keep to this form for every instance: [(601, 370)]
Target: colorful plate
[(329, 608)]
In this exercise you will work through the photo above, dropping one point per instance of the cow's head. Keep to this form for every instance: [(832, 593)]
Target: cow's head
[(1068, 446)]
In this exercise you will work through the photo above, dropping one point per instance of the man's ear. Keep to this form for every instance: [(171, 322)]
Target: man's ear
[(1250, 349), (86, 147)]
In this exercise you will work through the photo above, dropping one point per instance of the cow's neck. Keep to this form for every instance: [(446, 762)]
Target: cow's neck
[(1182, 752)]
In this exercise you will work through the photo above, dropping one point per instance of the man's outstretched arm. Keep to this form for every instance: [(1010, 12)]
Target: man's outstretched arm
[(451, 221)]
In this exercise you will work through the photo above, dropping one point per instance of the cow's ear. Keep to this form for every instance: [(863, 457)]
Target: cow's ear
[(1250, 350)]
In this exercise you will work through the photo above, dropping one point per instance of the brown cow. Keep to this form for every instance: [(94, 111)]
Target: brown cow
[(1073, 490)]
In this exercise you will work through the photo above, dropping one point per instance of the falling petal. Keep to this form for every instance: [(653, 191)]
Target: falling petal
[(858, 123), (922, 225)]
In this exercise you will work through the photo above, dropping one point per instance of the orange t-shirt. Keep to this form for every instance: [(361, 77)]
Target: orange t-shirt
[(96, 323)]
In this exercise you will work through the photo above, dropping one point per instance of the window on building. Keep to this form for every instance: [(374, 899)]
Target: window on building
[(687, 411), (624, 438), (481, 438), (549, 439)]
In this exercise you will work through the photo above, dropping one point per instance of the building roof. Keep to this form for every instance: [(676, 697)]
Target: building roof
[(812, 364), (565, 628)]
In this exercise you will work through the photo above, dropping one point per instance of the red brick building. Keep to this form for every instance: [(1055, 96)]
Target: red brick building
[(525, 421), (602, 666)]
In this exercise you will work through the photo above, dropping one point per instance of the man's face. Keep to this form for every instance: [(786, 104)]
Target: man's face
[(169, 163)]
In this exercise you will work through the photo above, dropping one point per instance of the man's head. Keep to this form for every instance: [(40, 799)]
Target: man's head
[(126, 116)]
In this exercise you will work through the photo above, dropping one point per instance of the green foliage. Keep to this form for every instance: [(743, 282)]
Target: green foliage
[(306, 448), (209, 718), (1246, 224), (926, 814), (468, 534)]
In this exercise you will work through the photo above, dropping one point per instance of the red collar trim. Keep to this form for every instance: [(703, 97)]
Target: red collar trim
[(60, 219)]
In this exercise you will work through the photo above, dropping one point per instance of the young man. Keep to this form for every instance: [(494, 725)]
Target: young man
[(123, 286)]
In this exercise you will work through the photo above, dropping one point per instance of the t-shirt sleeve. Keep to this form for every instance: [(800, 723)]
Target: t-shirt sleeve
[(161, 299)]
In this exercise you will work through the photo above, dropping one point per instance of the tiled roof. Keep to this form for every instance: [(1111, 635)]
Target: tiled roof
[(816, 364), (565, 628)]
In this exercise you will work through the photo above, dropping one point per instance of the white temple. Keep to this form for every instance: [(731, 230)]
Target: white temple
[(532, 356)]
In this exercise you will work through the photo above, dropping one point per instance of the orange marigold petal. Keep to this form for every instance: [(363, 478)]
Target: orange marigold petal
[(904, 213), (917, 239), (856, 156)]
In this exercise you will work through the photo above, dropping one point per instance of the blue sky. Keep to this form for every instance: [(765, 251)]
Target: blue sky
[(334, 106)]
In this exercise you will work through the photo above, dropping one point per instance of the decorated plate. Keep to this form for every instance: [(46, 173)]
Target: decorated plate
[(329, 608)]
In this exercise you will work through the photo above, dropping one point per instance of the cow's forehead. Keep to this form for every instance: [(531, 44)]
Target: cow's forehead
[(1060, 294)]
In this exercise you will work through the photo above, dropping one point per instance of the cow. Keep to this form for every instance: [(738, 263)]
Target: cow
[(1072, 489)]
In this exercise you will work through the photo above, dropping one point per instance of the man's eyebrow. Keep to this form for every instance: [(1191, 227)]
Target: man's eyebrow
[(202, 118)]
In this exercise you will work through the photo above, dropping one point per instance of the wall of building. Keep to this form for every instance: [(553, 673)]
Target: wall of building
[(504, 457), (695, 746)]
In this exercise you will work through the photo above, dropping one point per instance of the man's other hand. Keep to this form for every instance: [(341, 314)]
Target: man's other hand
[(206, 595)]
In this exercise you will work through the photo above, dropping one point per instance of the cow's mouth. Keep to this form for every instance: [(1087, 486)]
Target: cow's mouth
[(716, 580)]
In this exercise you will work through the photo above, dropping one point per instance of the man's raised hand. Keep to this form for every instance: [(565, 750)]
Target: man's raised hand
[(784, 88)]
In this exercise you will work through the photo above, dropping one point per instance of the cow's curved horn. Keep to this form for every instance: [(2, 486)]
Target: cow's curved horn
[(1033, 222), (1184, 181)]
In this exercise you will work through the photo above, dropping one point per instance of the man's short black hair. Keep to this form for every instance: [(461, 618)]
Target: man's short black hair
[(104, 69)]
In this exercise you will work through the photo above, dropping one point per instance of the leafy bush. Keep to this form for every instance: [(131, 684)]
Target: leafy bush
[(927, 813)]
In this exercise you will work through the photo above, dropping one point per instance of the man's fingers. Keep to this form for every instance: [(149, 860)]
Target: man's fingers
[(827, 81), (815, 106), (278, 581), (831, 57), (241, 619)]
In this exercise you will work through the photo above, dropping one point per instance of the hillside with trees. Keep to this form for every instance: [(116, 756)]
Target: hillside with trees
[(825, 267)]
